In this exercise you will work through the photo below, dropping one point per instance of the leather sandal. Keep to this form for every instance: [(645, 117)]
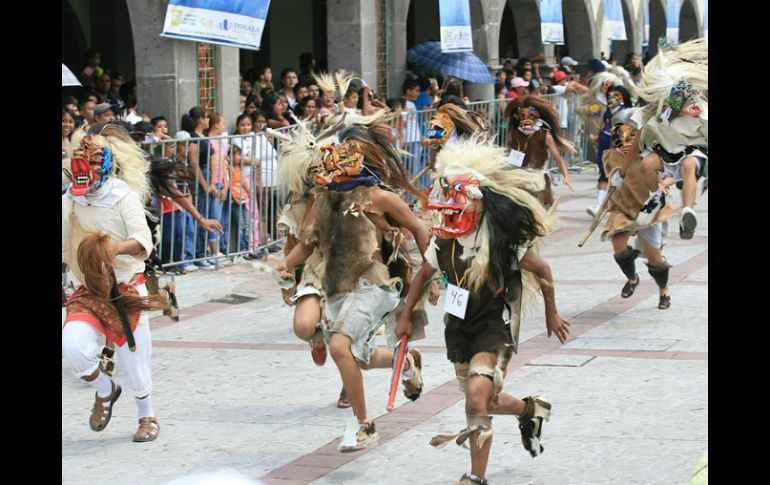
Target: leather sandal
[(149, 428), (101, 415), (665, 302), (629, 288), (471, 479), (343, 402)]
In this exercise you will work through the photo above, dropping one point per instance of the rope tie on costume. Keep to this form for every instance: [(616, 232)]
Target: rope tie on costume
[(458, 281), (482, 424), (526, 142)]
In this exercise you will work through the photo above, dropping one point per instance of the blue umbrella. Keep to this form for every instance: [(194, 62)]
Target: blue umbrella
[(465, 65)]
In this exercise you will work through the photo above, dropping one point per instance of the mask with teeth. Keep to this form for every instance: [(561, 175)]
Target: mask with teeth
[(457, 198), (91, 166), (529, 119), (341, 163), (683, 99), (441, 127)]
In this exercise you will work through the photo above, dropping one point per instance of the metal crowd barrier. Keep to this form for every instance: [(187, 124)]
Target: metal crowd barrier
[(249, 219)]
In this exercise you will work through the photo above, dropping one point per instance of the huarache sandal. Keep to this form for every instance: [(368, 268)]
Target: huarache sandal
[(629, 288), (148, 430), (343, 402), (101, 414)]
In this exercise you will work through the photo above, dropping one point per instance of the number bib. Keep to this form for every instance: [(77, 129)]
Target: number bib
[(516, 158), (456, 301)]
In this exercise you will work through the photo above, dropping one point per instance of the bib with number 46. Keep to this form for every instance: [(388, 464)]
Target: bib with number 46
[(456, 301)]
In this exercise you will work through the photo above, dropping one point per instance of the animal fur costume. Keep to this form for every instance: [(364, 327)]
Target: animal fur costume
[(347, 233), (675, 122), (300, 154), (593, 102), (530, 119), (630, 206), (301, 160), (488, 217)]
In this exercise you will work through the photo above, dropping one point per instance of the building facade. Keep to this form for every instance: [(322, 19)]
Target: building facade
[(370, 37)]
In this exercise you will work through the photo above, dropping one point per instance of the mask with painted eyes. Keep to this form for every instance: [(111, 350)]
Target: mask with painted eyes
[(606, 85), (622, 137), (528, 118), (614, 99), (683, 99), (441, 127), (341, 163), (91, 167), (457, 199)]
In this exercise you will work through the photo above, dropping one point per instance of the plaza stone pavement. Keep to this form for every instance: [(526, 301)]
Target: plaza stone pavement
[(234, 388)]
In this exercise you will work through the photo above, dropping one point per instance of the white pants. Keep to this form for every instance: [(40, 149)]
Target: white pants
[(80, 346)]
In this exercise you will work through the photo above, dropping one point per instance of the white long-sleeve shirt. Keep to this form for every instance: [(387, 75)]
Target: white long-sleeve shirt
[(117, 211)]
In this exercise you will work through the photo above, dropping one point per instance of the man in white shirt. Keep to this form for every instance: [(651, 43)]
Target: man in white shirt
[(96, 205)]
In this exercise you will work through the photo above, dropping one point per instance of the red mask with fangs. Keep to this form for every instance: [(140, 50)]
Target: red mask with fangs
[(459, 204)]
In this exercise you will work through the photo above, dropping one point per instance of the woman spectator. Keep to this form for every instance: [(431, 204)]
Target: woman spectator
[(307, 110), (266, 182), (247, 159), (198, 157), (67, 127), (288, 81), (275, 107), (129, 112), (220, 178)]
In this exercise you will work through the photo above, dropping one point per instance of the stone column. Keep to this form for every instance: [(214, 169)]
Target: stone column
[(397, 11), (165, 68), (228, 88), (352, 35)]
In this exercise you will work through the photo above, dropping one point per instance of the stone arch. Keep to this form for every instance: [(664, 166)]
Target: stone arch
[(73, 39), (580, 29), (690, 25), (620, 48), (520, 27)]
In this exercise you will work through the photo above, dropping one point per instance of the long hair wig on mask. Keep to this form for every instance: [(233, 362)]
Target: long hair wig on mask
[(688, 62), (518, 225), (129, 161), (548, 115), (380, 153), (628, 83), (97, 263), (299, 152), (466, 122), (166, 173), (595, 86), (511, 216)]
